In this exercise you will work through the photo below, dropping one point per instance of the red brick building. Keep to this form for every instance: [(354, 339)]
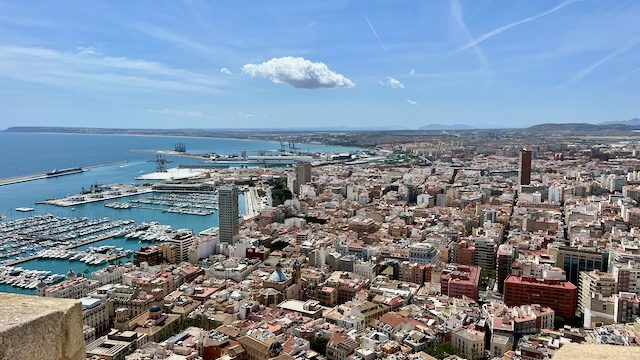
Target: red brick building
[(260, 253), (462, 253), (152, 255), (560, 295), (525, 167), (460, 280)]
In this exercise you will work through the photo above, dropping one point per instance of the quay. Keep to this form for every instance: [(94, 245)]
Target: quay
[(114, 192), (75, 245), (54, 173)]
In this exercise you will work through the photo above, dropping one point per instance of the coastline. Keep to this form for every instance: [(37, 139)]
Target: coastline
[(318, 143)]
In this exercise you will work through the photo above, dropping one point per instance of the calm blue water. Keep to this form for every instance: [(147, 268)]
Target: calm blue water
[(31, 153)]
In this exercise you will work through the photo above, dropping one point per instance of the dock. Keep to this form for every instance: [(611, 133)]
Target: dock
[(75, 245), (115, 192), (52, 174)]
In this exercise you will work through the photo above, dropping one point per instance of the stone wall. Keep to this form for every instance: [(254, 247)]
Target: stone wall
[(40, 328)]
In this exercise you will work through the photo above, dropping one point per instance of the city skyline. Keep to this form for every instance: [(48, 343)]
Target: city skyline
[(318, 64)]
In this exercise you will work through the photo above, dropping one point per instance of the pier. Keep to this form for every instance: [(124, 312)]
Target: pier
[(75, 245), (107, 192), (52, 174)]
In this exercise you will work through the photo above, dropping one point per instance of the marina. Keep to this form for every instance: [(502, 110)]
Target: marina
[(201, 204), (153, 232), (27, 279), (25, 239), (94, 255), (77, 225)]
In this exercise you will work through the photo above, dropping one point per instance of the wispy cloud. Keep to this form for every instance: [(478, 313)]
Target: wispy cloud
[(86, 50), (82, 69), (459, 26), (184, 42), (246, 116), (628, 46), (178, 113), (225, 71), (392, 83), (412, 102), (375, 33), (506, 27)]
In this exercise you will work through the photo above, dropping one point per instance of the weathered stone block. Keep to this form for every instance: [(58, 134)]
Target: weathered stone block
[(40, 328)]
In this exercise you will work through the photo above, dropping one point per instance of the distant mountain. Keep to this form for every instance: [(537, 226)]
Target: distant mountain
[(633, 122), (445, 127), (581, 127)]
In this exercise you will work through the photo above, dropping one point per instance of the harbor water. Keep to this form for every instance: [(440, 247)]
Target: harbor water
[(31, 153)]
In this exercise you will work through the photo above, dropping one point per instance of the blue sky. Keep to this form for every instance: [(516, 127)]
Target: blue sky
[(243, 64)]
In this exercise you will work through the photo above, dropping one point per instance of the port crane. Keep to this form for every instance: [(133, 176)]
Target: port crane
[(161, 162), (289, 144), (180, 147)]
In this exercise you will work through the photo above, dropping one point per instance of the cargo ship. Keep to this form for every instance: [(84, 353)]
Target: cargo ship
[(62, 172)]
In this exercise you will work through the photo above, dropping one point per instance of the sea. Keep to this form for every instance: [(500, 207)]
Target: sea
[(128, 156)]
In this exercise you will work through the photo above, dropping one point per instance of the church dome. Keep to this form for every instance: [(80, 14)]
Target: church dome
[(278, 276), (275, 348)]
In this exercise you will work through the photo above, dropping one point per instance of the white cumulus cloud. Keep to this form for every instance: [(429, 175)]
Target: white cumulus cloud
[(412, 102), (393, 83), (298, 72), (225, 71)]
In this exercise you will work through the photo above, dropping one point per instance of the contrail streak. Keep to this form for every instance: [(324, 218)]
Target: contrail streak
[(375, 33), (501, 29), (458, 21), (628, 46)]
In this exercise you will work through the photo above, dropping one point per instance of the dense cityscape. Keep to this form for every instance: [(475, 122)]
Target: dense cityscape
[(319, 180), (441, 249)]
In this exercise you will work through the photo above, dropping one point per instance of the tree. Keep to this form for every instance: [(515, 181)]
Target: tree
[(559, 321), (443, 350), (278, 245), (488, 276), (319, 345), (279, 196), (279, 192)]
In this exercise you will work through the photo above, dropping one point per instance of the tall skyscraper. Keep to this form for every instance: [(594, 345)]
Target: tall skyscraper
[(228, 213), (303, 175), (525, 167)]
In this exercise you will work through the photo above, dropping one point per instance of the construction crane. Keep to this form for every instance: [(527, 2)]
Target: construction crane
[(161, 162)]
